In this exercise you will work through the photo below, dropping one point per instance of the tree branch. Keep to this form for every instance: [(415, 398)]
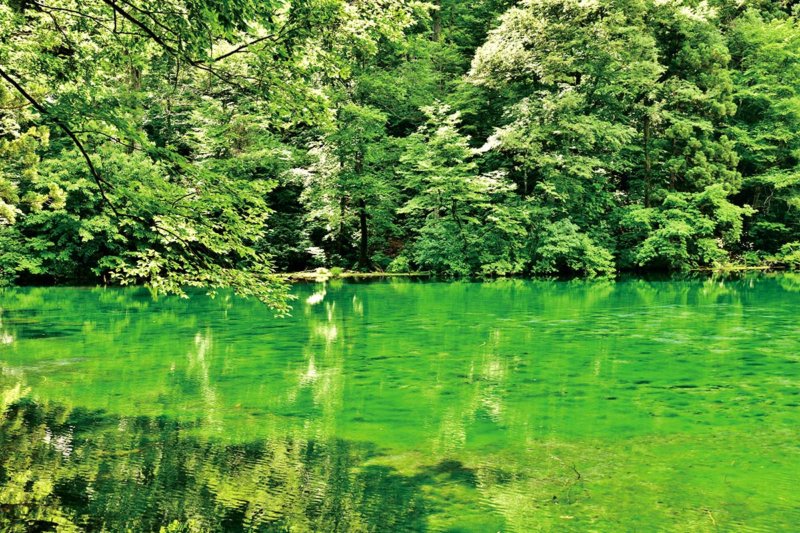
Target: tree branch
[(168, 47), (241, 48), (48, 8), (145, 28), (98, 179)]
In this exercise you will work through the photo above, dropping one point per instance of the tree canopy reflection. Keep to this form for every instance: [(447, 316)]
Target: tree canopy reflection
[(79, 469)]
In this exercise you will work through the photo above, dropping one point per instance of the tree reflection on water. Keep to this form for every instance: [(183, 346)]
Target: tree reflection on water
[(78, 469)]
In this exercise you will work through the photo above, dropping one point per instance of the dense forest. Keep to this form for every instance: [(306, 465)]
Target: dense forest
[(217, 143)]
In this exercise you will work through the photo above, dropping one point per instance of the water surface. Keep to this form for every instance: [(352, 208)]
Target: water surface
[(405, 406)]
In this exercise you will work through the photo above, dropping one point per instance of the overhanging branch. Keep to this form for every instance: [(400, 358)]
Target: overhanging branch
[(168, 47), (96, 176)]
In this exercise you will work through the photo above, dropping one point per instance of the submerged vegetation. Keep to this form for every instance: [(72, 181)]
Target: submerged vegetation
[(404, 406), (215, 143)]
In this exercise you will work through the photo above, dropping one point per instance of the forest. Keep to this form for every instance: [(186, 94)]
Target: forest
[(219, 143)]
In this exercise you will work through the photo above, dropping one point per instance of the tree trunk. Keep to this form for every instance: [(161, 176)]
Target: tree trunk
[(363, 249), (647, 163), (672, 177), (437, 21), (341, 238), (363, 245), (454, 212)]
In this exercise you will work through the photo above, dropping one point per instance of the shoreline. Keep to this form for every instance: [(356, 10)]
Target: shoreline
[(323, 274)]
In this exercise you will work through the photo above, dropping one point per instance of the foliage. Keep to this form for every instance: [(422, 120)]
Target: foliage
[(687, 230), (564, 248), (458, 215), (789, 255), (210, 144)]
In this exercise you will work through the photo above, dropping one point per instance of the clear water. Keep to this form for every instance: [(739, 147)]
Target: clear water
[(405, 406)]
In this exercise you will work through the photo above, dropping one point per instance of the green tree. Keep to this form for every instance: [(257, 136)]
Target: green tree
[(350, 181), (154, 113), (463, 221), (766, 77), (619, 107)]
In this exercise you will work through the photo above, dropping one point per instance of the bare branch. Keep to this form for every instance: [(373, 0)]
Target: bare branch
[(168, 47), (241, 48), (47, 8)]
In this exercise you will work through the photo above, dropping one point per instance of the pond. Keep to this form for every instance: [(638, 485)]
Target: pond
[(405, 406)]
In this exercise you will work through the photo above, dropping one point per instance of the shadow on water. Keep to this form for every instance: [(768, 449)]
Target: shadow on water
[(63, 469)]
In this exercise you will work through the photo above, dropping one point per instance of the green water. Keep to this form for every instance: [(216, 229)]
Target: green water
[(405, 406)]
